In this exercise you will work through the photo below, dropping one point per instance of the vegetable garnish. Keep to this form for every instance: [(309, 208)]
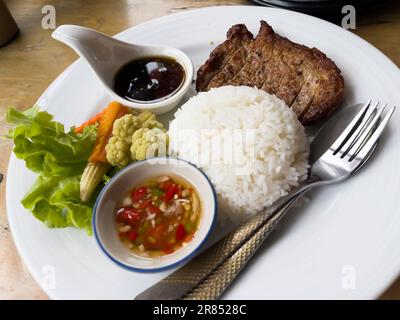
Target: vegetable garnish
[(91, 178), (59, 159), (55, 201), (93, 121), (98, 166), (113, 111), (73, 166), (147, 143), (158, 216), (45, 147), (136, 137), (118, 141)]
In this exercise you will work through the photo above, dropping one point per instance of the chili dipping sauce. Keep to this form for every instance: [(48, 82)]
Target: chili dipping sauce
[(158, 216)]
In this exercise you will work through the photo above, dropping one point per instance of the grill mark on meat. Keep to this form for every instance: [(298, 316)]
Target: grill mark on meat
[(221, 55), (299, 86), (321, 109), (220, 77), (267, 40), (235, 63), (231, 68), (272, 69), (259, 53), (281, 86), (329, 92), (289, 88), (284, 70), (306, 108), (236, 77), (294, 97), (293, 80), (308, 81), (260, 77), (303, 100), (253, 72)]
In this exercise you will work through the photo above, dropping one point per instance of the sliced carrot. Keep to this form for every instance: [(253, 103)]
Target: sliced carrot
[(90, 122), (113, 111)]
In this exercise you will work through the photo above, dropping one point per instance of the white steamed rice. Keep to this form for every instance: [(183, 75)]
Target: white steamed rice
[(248, 142)]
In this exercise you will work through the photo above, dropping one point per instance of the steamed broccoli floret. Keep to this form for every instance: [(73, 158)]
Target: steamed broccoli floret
[(148, 143), (118, 149), (148, 120), (124, 127), (117, 152)]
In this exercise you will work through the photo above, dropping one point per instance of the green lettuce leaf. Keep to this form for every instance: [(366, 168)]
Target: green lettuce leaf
[(44, 146), (59, 158), (55, 201)]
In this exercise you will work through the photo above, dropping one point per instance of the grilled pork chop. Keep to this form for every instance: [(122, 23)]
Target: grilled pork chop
[(306, 79)]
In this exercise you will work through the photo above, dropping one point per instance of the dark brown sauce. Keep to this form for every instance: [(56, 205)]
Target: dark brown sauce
[(149, 79)]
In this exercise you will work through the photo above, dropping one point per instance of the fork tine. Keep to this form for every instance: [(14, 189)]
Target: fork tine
[(364, 136), (365, 149), (359, 130), (346, 134)]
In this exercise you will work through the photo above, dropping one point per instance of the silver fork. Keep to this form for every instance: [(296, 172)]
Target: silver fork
[(348, 152), (209, 274)]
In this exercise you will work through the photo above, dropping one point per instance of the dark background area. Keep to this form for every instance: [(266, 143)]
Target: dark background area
[(327, 9)]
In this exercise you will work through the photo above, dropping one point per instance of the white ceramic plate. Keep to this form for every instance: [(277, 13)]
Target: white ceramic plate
[(344, 243)]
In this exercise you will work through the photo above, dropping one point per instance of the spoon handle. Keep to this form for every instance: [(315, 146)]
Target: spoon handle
[(209, 274), (225, 272)]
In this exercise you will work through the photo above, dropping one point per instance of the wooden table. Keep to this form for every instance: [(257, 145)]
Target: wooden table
[(33, 60)]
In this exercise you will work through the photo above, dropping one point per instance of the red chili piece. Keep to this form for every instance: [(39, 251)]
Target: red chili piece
[(138, 194), (172, 190), (180, 233)]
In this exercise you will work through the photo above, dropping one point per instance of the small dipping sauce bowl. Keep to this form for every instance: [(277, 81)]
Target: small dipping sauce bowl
[(107, 56), (105, 213)]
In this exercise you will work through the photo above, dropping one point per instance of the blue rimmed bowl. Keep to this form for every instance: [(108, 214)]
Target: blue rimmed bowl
[(104, 213)]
